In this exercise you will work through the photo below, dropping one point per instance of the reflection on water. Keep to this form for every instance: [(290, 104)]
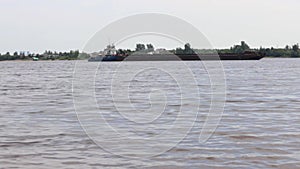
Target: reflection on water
[(259, 129)]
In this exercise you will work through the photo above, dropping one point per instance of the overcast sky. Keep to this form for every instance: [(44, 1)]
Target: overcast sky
[(37, 25)]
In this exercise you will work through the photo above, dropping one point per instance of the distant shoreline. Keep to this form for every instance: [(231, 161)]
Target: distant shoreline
[(29, 60), (292, 51)]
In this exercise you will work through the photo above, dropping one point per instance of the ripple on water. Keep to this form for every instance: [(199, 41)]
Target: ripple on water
[(259, 129)]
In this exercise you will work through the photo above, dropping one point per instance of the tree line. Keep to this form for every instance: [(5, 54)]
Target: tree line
[(288, 51), (47, 55)]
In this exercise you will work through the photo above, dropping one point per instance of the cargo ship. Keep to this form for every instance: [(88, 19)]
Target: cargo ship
[(110, 54)]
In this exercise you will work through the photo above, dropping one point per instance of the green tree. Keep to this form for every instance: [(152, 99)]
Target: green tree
[(179, 51), (295, 47), (188, 49), (140, 47), (150, 48), (244, 46), (287, 47), (240, 48), (295, 52), (7, 56)]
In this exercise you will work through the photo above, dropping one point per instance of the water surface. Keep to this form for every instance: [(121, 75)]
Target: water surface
[(259, 129)]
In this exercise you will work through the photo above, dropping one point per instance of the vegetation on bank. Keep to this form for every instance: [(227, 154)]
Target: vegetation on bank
[(289, 51), (47, 55)]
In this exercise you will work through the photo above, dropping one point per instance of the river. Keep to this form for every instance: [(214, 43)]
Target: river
[(259, 128)]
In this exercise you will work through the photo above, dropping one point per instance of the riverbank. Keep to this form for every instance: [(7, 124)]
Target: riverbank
[(287, 52), (41, 60)]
